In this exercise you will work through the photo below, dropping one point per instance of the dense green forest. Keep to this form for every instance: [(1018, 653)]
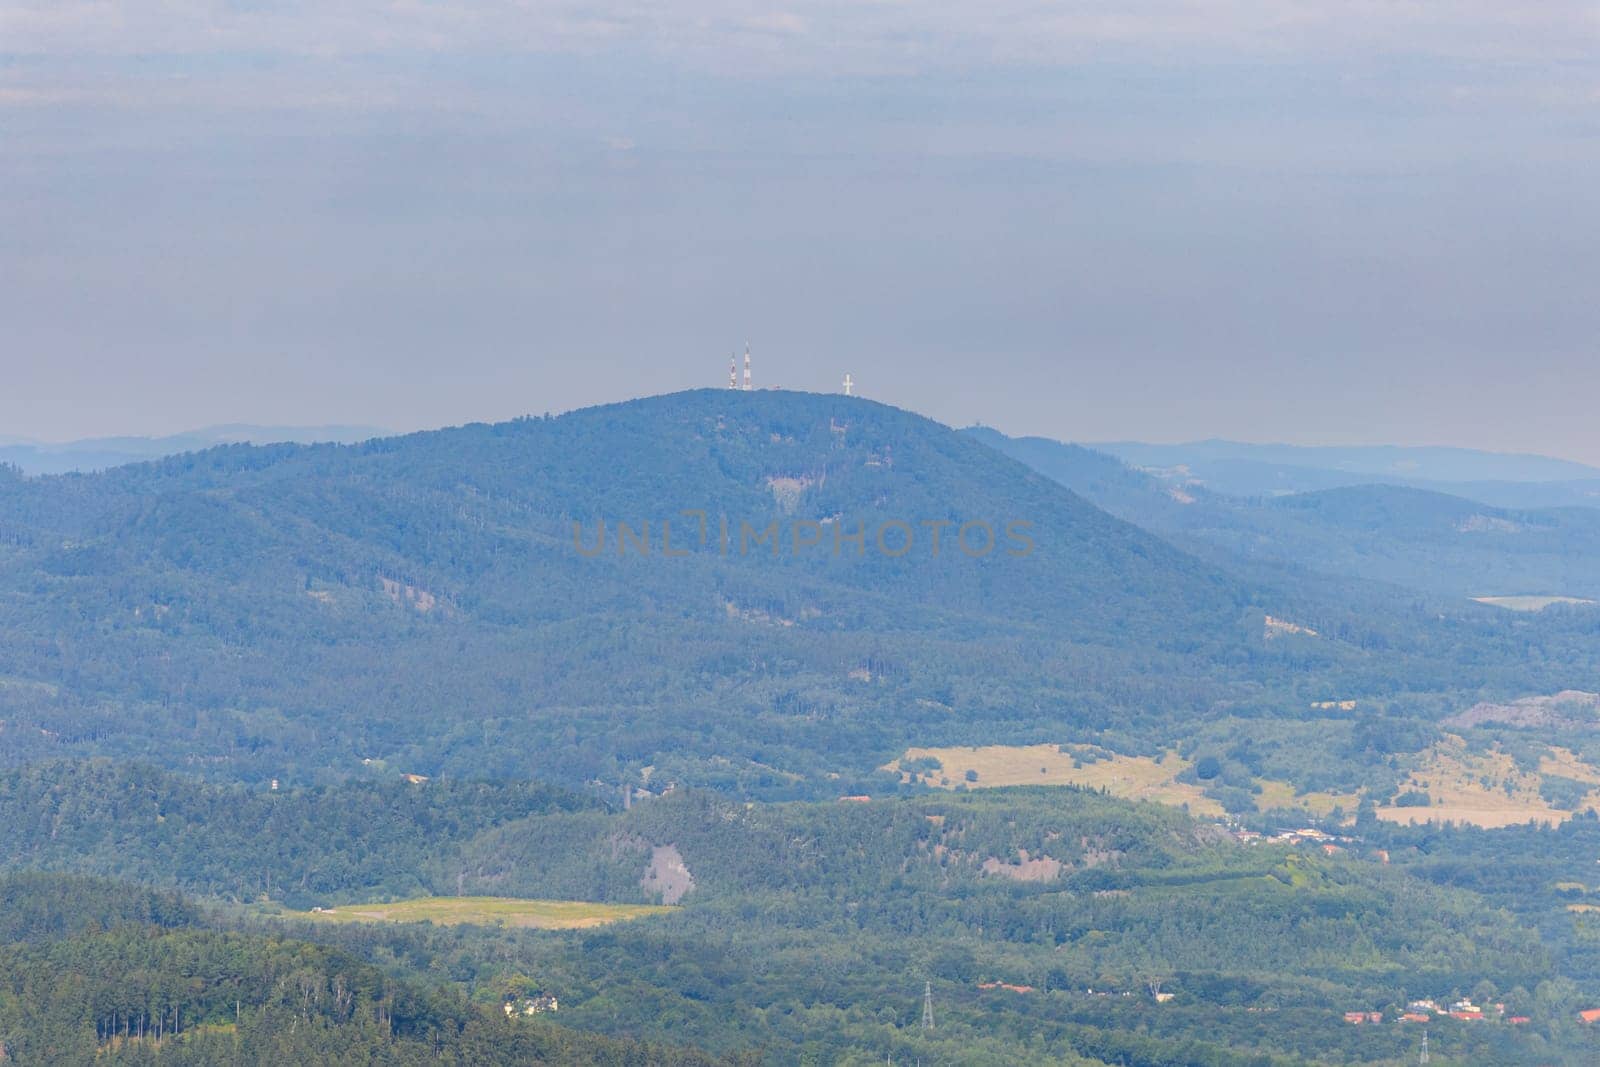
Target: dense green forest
[(147, 825), (95, 972), (810, 928)]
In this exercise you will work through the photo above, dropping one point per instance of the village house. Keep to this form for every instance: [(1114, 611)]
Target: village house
[(1307, 835), (1464, 1010), (534, 1005)]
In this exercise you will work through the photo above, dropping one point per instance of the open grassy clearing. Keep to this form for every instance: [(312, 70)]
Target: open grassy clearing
[(1130, 777), (1567, 764), (1282, 795), (1480, 789), (1487, 789), (1529, 603), (487, 911)]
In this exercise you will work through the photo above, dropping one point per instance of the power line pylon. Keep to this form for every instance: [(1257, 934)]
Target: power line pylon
[(927, 1005)]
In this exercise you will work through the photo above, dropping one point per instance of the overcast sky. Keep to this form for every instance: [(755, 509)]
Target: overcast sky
[(1317, 221)]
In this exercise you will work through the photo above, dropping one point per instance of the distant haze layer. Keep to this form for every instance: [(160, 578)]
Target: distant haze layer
[(1316, 223)]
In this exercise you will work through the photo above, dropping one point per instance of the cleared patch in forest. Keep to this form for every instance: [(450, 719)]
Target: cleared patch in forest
[(486, 911), (667, 875), (1277, 795), (1130, 777), (13, 682), (1275, 627)]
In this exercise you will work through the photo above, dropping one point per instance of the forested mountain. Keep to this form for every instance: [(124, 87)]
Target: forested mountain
[(441, 602), (1398, 534), (426, 599)]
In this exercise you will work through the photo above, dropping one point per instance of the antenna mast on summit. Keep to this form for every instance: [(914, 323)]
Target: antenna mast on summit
[(747, 385), (733, 372)]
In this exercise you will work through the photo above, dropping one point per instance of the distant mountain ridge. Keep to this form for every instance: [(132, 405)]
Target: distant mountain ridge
[(1397, 533), (101, 453), (1413, 463), (1248, 470)]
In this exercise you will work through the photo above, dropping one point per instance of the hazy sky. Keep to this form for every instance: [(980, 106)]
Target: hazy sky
[(1301, 220)]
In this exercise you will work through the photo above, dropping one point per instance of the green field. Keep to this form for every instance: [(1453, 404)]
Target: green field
[(487, 911)]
